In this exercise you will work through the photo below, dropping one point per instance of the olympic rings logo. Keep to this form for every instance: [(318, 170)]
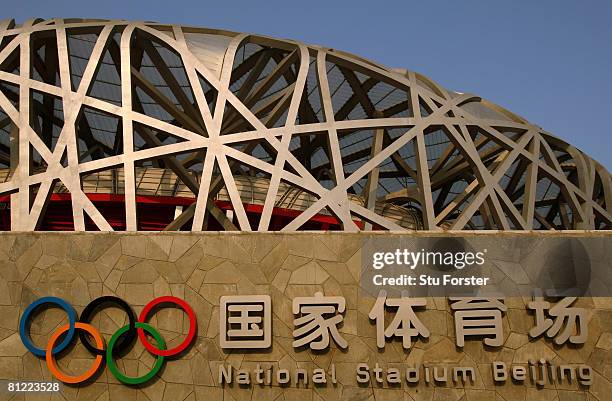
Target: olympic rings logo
[(119, 342)]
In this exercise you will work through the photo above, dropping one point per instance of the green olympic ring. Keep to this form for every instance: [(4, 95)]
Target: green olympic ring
[(110, 361)]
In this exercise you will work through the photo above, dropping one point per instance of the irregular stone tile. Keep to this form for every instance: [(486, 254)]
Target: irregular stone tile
[(533, 350), (121, 392), (79, 292), (80, 246), (520, 322), (443, 351), (87, 270), (262, 245), (28, 258), (605, 341), (213, 292), (354, 265), (176, 392), (311, 273), (226, 273), (338, 271), (12, 346), (196, 279), (113, 279), (180, 245), (512, 270), (124, 262), (293, 262), (5, 295), (138, 294), (273, 260), (516, 340), (158, 247), (92, 391), (32, 369), (101, 244), (240, 247), (161, 287), (204, 393), (10, 366), (512, 393), (447, 394), (107, 260), (252, 272), (21, 244), (141, 272), (8, 271), (281, 279), (187, 263), (134, 245), (301, 245), (573, 396), (356, 394), (324, 250)]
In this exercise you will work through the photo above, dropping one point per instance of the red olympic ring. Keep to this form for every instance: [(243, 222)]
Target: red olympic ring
[(190, 335)]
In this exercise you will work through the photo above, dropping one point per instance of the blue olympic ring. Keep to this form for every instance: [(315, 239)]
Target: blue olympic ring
[(24, 331)]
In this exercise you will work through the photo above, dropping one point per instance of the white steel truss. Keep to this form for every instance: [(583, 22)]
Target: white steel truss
[(78, 97)]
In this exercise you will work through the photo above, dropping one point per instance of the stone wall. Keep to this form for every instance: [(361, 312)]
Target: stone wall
[(201, 268)]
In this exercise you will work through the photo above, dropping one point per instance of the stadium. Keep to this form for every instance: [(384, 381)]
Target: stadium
[(112, 125)]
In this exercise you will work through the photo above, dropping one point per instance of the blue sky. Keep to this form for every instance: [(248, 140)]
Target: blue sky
[(549, 61)]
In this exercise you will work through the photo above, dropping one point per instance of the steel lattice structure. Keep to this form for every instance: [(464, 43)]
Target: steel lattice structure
[(245, 132)]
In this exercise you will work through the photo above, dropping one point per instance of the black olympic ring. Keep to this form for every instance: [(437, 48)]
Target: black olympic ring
[(125, 340)]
